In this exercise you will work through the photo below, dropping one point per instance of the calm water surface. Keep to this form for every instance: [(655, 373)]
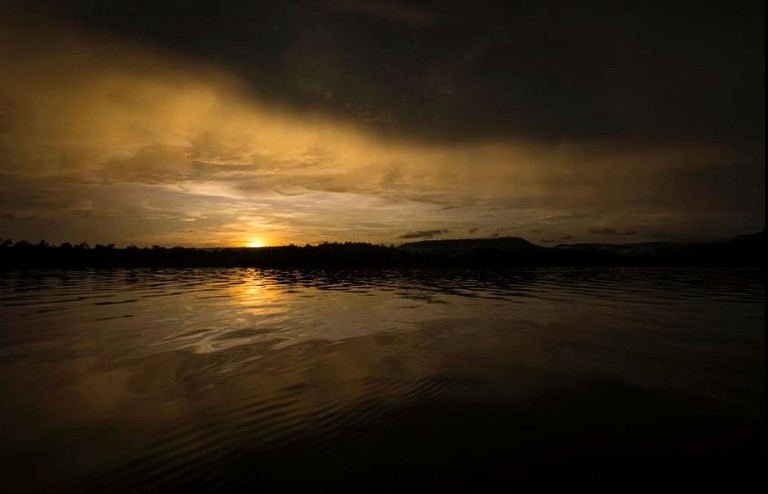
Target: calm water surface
[(243, 379)]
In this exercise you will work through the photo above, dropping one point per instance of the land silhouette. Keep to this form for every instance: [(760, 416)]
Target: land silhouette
[(740, 251)]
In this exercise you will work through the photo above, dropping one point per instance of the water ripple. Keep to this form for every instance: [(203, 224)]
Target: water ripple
[(161, 379)]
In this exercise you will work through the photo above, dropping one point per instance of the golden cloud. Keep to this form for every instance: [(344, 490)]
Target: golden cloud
[(105, 112)]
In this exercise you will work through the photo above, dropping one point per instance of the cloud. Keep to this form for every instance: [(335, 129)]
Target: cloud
[(445, 71), (423, 234), (627, 232), (661, 235), (602, 231), (152, 164), (126, 136), (387, 10)]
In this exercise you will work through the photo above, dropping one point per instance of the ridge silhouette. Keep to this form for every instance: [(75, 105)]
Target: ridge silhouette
[(740, 251)]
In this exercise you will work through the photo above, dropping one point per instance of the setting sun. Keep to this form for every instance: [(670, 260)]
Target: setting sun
[(364, 239)]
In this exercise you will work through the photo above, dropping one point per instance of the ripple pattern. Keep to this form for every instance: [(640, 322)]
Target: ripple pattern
[(154, 380)]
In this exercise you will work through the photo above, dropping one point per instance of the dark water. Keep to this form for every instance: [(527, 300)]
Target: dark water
[(240, 379)]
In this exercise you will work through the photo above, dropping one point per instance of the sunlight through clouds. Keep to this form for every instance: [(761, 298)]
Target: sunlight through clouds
[(178, 152)]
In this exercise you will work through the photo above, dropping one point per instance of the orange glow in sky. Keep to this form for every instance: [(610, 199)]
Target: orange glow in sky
[(128, 145)]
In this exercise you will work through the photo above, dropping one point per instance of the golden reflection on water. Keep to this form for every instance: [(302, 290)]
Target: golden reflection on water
[(137, 374), (254, 291)]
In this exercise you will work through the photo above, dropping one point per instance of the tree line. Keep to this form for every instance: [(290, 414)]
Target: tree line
[(745, 250)]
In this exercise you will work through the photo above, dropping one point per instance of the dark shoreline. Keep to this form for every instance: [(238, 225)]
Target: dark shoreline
[(742, 251)]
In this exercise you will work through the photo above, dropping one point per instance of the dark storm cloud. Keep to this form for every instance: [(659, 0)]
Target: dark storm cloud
[(352, 119), (423, 234), (460, 70), (387, 10), (627, 232), (602, 231)]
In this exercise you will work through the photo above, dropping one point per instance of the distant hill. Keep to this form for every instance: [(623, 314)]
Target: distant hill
[(743, 250), (746, 250), (461, 247), (642, 248)]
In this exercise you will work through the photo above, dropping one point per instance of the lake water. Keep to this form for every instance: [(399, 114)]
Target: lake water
[(381, 381)]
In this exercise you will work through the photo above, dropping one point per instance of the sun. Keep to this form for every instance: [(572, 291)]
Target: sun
[(255, 244)]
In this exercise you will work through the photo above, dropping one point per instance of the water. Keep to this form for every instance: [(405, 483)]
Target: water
[(243, 379)]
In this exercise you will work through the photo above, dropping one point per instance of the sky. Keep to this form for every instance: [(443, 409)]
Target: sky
[(234, 122)]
